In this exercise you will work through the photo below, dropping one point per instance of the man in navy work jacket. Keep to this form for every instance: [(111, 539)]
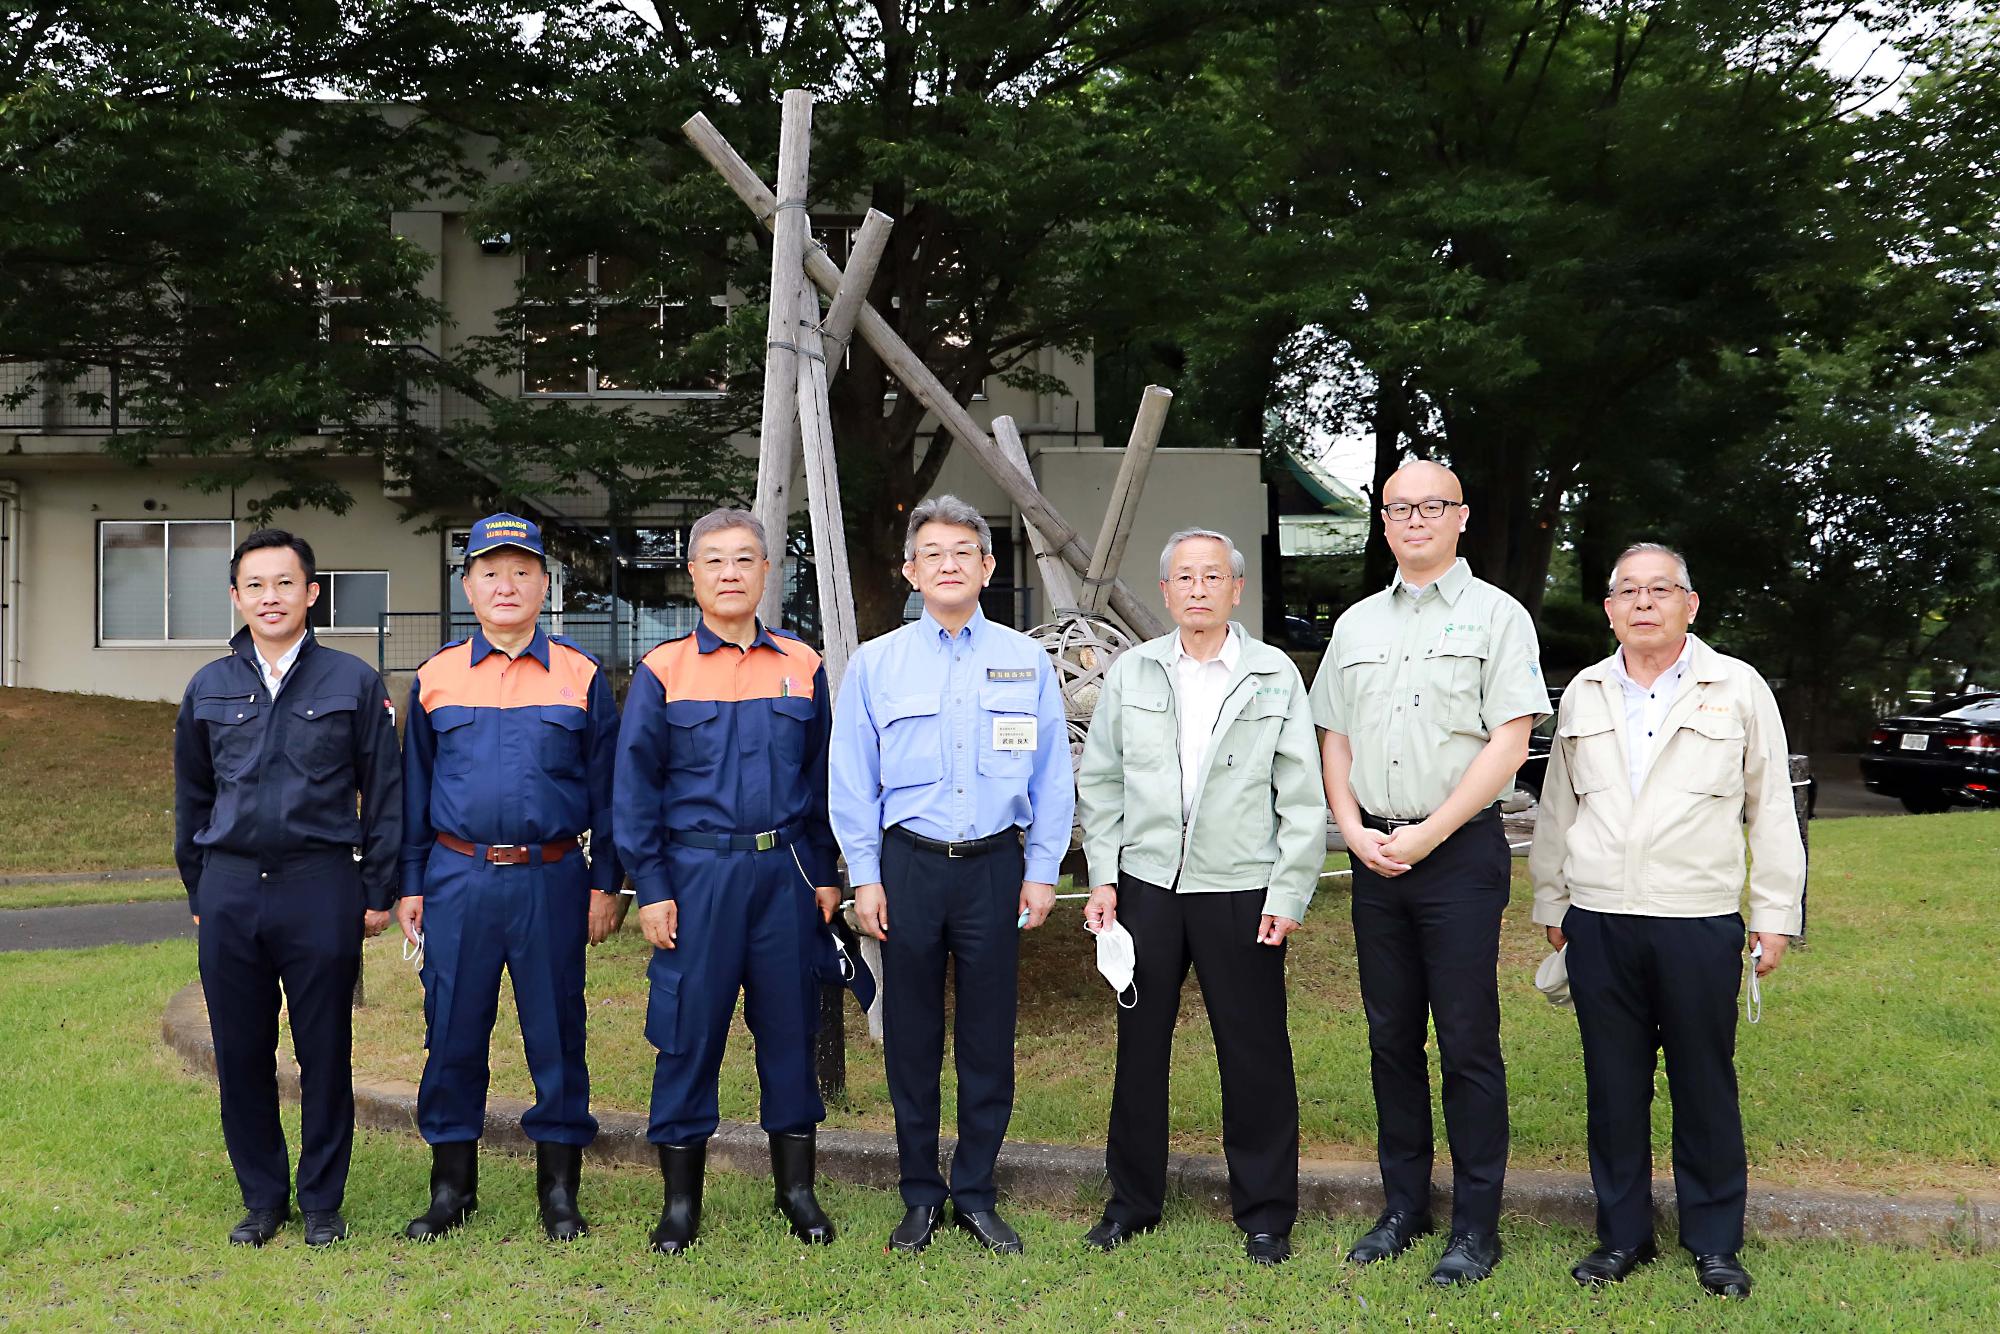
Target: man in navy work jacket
[(272, 745), (721, 818), (507, 763), (948, 746)]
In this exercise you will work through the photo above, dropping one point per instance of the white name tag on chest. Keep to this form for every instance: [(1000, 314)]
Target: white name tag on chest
[(1014, 733)]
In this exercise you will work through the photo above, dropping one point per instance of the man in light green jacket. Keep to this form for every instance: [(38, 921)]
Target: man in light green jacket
[(1204, 826)]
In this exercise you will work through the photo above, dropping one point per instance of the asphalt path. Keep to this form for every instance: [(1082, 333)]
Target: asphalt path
[(95, 924)]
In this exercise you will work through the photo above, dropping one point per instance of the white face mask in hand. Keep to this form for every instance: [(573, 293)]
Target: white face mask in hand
[(1753, 1004), (1117, 960)]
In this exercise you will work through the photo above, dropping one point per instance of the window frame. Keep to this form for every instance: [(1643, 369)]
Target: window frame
[(324, 578), (166, 587), (592, 300)]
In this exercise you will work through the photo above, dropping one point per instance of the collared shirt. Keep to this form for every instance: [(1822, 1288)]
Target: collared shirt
[(510, 750), (275, 674), (1200, 686), (263, 782), (1715, 808), (1646, 710), (720, 739), (955, 736), (1417, 679)]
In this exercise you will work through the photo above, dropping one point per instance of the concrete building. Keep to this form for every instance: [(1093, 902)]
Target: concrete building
[(113, 578)]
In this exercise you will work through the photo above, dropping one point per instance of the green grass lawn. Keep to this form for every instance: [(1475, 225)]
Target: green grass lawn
[(90, 782), (1876, 1064), (76, 893), (117, 1196)]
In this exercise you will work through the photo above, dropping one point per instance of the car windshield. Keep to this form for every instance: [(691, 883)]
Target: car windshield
[(1984, 711)]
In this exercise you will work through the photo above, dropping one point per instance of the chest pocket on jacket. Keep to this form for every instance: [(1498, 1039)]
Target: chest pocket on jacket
[(1706, 755), (912, 741), (694, 750), (561, 738), (452, 725), (1365, 676), (1594, 758), (791, 725), (1010, 707), (1253, 736), (1145, 728), (233, 734), (1456, 670), (321, 741)]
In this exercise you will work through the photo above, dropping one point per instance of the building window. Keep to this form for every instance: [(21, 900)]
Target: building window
[(350, 600), (607, 325), (164, 581)]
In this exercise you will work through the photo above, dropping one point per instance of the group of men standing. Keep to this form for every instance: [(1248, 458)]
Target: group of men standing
[(730, 785)]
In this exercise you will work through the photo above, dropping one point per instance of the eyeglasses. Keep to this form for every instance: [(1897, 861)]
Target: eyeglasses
[(1210, 581), (743, 563), (1653, 592), (1434, 508), (933, 557)]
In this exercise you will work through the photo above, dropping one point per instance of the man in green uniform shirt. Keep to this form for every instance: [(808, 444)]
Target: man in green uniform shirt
[(1424, 701)]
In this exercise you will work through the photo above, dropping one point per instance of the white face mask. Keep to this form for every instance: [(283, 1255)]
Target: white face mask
[(1116, 960)]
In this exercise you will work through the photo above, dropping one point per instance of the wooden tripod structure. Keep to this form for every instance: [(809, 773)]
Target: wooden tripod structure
[(1081, 578)]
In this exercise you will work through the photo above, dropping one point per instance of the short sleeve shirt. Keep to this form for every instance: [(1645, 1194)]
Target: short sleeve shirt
[(1417, 679)]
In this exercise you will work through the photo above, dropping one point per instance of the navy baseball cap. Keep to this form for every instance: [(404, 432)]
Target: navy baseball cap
[(504, 530)]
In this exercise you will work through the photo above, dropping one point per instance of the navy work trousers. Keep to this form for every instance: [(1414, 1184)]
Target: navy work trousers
[(1243, 987), (533, 920), (964, 909), (1642, 985), (1428, 946), (295, 925), (747, 923)]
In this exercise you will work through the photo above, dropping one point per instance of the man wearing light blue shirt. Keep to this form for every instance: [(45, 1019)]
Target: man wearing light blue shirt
[(952, 797)]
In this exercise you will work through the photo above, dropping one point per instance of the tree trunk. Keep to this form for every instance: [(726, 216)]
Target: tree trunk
[(1391, 412)]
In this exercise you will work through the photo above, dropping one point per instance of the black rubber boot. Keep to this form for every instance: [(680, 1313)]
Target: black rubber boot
[(557, 1168), (681, 1166), (792, 1170), (454, 1190)]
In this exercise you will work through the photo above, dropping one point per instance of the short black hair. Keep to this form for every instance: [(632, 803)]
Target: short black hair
[(266, 538)]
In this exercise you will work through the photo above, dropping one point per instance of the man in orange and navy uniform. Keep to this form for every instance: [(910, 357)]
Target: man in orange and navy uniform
[(507, 762), (722, 821)]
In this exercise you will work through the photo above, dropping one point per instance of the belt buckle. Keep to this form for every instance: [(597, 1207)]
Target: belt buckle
[(492, 848), (767, 840), (951, 851)]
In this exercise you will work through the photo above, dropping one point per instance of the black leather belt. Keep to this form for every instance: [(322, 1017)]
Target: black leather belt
[(764, 842), (1387, 825), (971, 847)]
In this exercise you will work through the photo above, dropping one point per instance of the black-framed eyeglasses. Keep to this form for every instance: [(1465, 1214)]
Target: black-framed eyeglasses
[(1398, 512), (1654, 592)]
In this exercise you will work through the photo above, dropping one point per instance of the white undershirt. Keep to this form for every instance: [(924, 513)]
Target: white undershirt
[(1646, 710), (276, 674), (1201, 687)]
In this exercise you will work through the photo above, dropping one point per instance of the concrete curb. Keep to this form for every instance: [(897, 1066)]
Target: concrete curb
[(1062, 1176), (89, 877)]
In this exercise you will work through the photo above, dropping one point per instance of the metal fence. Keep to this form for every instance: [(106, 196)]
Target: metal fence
[(404, 640)]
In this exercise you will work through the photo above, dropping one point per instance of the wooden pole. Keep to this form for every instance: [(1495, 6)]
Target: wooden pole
[(862, 260), (1058, 582), (778, 430), (1124, 506), (911, 371), (839, 635)]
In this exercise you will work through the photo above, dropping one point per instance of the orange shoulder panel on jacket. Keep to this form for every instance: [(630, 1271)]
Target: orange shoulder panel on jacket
[(726, 676)]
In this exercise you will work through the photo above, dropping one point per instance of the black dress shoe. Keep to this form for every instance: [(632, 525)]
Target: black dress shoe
[(1468, 1259), (1393, 1233), (1611, 1264), (324, 1227), (1110, 1234), (454, 1190), (258, 1226), (919, 1225), (1723, 1275), (988, 1229), (1268, 1248), (558, 1168)]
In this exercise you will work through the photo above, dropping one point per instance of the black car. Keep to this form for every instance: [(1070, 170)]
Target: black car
[(1943, 755)]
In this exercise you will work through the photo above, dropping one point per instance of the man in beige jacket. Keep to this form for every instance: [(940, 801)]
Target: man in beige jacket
[(1669, 780)]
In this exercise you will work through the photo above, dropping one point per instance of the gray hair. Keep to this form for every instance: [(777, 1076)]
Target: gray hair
[(1189, 535), (1649, 549), (717, 520), (951, 510)]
